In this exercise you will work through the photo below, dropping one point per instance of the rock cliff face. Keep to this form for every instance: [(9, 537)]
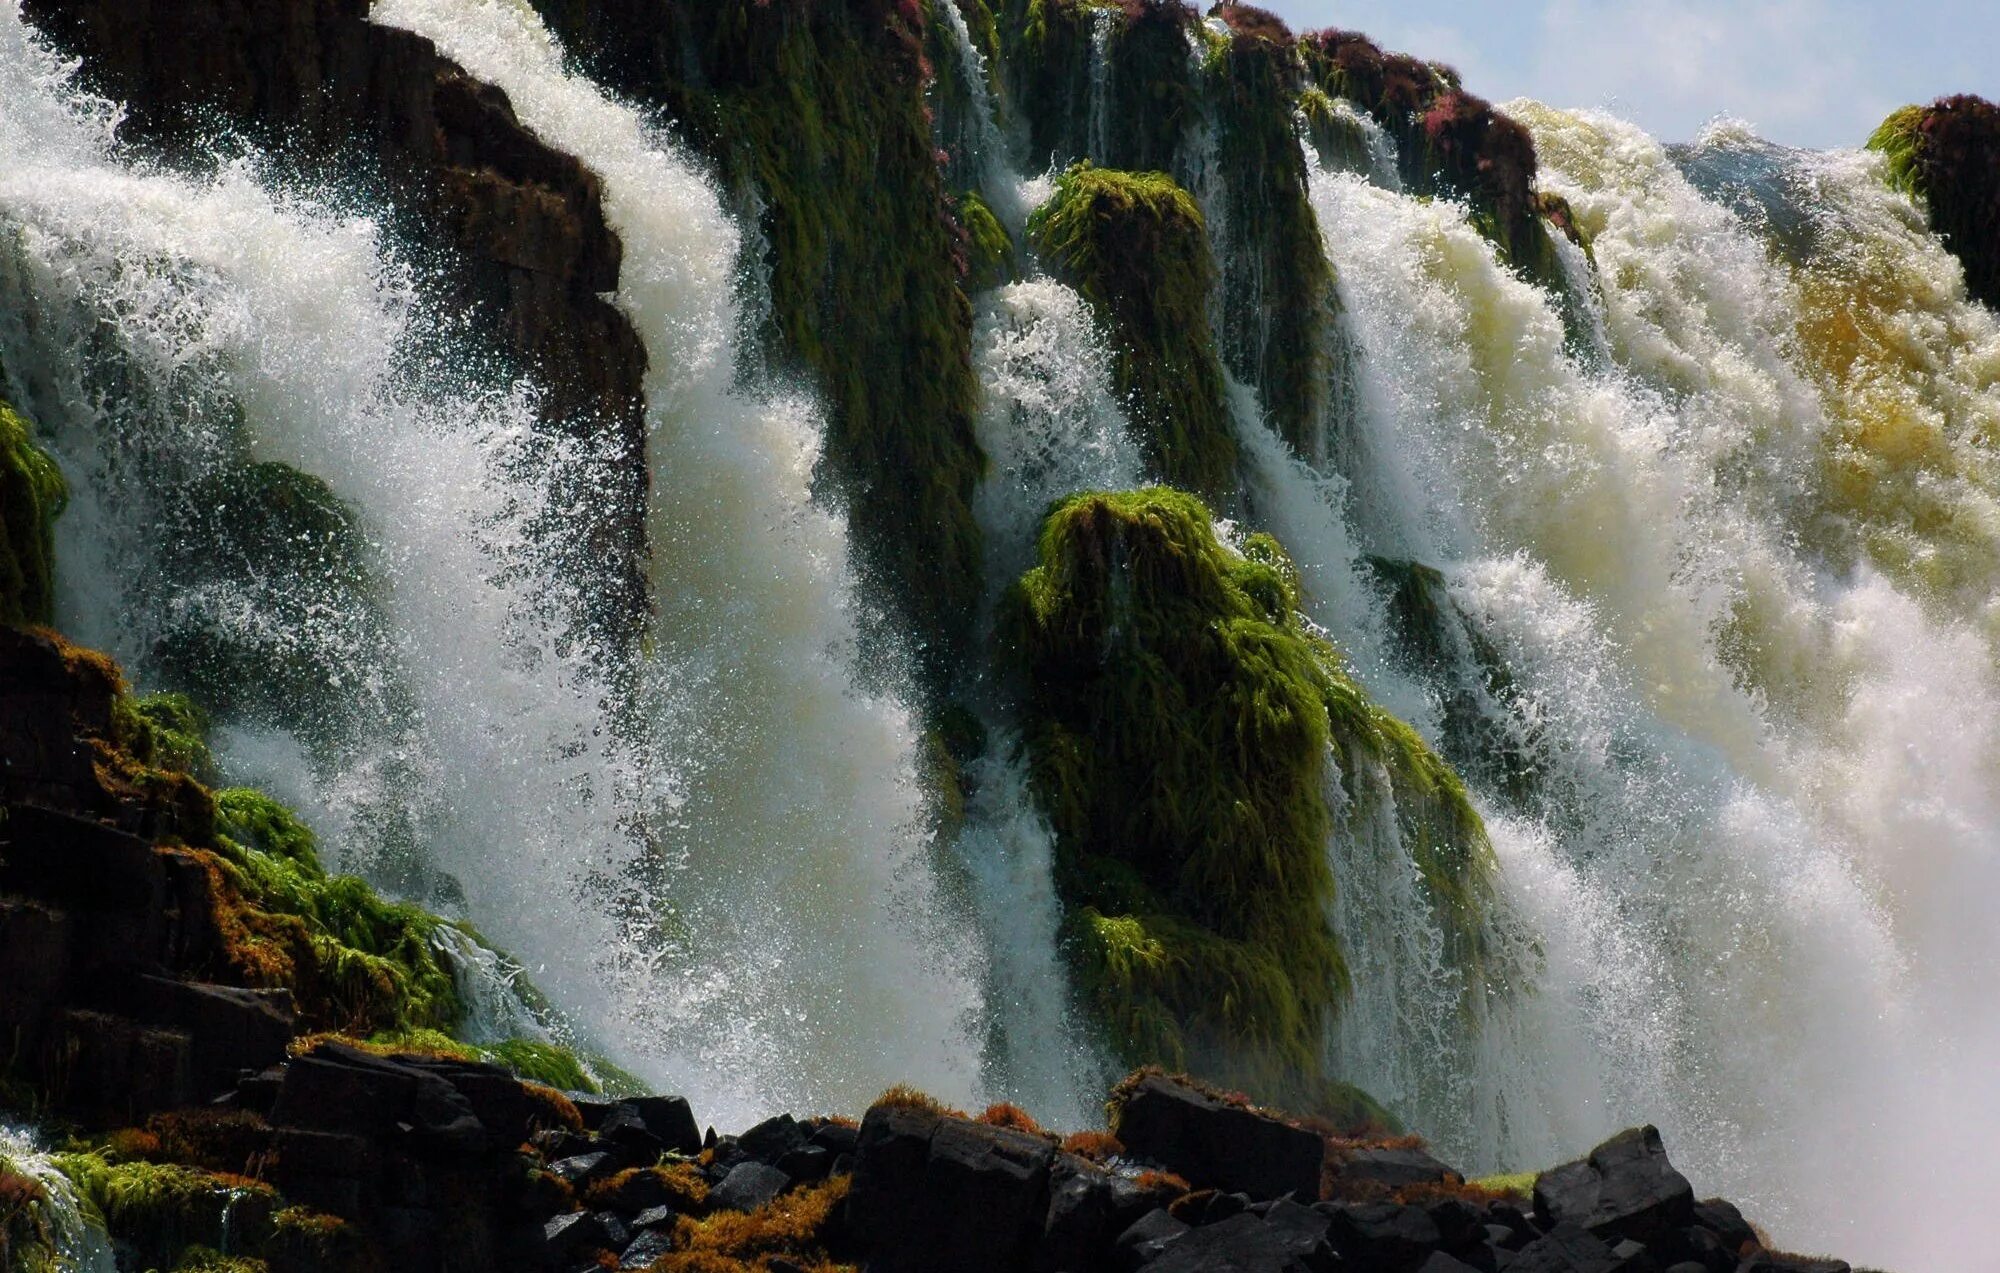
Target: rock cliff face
[(1944, 154), (529, 250)]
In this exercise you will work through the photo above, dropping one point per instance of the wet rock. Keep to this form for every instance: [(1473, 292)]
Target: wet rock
[(660, 1217), (572, 1234), (1148, 1237), (1215, 1144), (1394, 1168), (646, 1248), (1724, 1221), (1439, 1262), (1777, 1262), (772, 1139), (945, 1194), (672, 1120), (1626, 1188), (1388, 1235), (748, 1186), (807, 1163), (581, 1168), (1568, 1248), (1245, 1244)]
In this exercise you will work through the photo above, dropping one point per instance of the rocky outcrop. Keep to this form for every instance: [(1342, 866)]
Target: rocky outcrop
[(1948, 154), (32, 493), (527, 249), (814, 112)]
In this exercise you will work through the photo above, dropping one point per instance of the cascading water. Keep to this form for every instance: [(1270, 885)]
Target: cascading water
[(1715, 871), (61, 1232), (762, 944)]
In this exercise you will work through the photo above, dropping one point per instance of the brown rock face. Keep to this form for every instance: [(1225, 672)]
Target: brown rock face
[(524, 223)]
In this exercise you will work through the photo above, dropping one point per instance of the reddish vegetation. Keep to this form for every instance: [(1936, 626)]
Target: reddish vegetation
[(1012, 1117), (1959, 150), (1097, 1147), (1249, 20), (1379, 81)]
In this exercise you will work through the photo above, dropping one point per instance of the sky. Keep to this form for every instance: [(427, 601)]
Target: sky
[(1819, 73)]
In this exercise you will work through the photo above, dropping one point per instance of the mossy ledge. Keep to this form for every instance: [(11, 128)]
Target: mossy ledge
[(1947, 154), (32, 493), (1180, 712), (1136, 246), (815, 116)]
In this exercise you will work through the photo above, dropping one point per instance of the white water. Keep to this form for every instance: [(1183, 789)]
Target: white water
[(66, 1227), (1768, 758), (722, 878)]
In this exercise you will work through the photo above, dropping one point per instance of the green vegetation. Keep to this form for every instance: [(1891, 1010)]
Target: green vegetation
[(1136, 246), (161, 1210), (32, 494), (815, 114), (1519, 1183), (989, 249), (1947, 155), (1279, 302), (1180, 713)]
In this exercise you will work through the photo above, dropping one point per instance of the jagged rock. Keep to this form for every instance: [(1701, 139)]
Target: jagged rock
[(807, 1163), (1722, 1219), (1245, 1244), (1439, 1262), (1149, 1236), (772, 1139), (1216, 1144), (627, 1130), (646, 1248), (231, 1030), (568, 1235), (1777, 1262), (748, 1186), (1394, 1168), (1568, 1248), (660, 1217), (939, 1193), (580, 1168), (672, 1120), (1626, 1188), (1388, 1235)]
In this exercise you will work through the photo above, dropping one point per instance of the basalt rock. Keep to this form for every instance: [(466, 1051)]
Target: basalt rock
[(1626, 1188), (1217, 1144), (530, 251), (1948, 154)]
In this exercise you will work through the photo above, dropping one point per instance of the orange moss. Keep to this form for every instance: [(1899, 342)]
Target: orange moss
[(1013, 1117), (552, 1108), (904, 1097), (214, 1140), (683, 1183), (1188, 1207), (1162, 1184), (795, 1227), (1097, 1147)]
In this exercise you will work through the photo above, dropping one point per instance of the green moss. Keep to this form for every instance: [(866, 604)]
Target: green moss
[(258, 822), (990, 259), (1180, 711), (534, 1060), (32, 494), (816, 114), (1136, 246), (160, 1210), (1279, 305), (167, 731), (1519, 1183), (1897, 140)]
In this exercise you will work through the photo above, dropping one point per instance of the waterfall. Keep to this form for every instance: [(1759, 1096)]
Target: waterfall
[(1742, 878), (64, 1229)]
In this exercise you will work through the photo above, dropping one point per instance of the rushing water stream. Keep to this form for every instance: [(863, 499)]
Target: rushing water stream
[(1737, 549)]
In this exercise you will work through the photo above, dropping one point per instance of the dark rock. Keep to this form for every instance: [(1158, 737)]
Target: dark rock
[(1778, 1262), (1218, 1145), (1626, 1188), (557, 1143), (626, 1128), (113, 1070), (646, 1248), (581, 1168), (660, 1217), (617, 1234), (748, 1186), (570, 1234), (1567, 1248), (592, 1109), (1726, 1223), (1221, 1206), (1394, 1168), (936, 1193), (807, 1163), (772, 1139), (1149, 1236), (671, 1119), (1687, 1266), (1439, 1262), (232, 1030), (838, 1137), (1245, 1244), (1459, 1223), (1388, 1235)]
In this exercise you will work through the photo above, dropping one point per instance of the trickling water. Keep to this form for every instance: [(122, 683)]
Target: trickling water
[(65, 1229), (1104, 25)]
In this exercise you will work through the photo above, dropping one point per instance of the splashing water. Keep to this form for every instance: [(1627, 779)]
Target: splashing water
[(1718, 877), (68, 1229)]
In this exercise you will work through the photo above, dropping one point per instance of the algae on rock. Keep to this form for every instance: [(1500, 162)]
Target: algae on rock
[(1136, 246), (32, 493), (1947, 155), (1181, 716)]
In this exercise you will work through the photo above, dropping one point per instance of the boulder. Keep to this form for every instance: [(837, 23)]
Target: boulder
[(1394, 1168), (943, 1194), (646, 1248), (1245, 1244), (1384, 1235), (1568, 1248), (671, 1119), (1724, 1221), (1215, 1144), (1148, 1237), (1626, 1188), (748, 1186), (1778, 1262)]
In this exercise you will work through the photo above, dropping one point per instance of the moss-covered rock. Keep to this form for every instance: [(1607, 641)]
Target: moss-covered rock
[(1449, 142), (1181, 712), (815, 113), (32, 493), (1136, 246), (1279, 305), (989, 249), (1948, 155)]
